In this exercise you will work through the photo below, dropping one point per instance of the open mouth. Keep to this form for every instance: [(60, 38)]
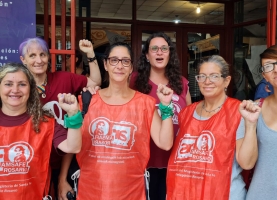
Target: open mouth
[(159, 59)]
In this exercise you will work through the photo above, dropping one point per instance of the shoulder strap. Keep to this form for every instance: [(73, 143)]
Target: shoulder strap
[(86, 98), (260, 102)]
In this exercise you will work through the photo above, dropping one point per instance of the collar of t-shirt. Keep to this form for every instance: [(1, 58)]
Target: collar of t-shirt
[(10, 121)]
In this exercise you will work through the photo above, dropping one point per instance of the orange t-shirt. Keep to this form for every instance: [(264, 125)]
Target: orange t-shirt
[(115, 149), (200, 164), (24, 160)]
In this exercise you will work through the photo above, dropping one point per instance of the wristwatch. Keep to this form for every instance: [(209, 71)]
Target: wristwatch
[(92, 59)]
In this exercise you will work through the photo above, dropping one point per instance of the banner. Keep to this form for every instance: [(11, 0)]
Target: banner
[(17, 22)]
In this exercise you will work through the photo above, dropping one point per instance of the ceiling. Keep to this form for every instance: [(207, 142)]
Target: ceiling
[(164, 10)]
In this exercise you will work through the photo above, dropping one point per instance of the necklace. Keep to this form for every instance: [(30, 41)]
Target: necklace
[(41, 88), (209, 111)]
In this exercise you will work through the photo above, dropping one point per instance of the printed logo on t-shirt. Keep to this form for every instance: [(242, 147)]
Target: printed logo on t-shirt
[(50, 106), (117, 135), (196, 148), (176, 110), (175, 97), (15, 158)]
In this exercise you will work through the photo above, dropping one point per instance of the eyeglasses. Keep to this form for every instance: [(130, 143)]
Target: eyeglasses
[(155, 49), (114, 61), (268, 67), (213, 77)]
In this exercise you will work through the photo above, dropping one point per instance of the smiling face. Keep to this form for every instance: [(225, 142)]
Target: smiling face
[(14, 92), (212, 89), (35, 59), (271, 76), (158, 59), (118, 72)]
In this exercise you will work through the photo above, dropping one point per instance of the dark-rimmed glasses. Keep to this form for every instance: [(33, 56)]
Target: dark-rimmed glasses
[(213, 77), (268, 67), (155, 49), (125, 61)]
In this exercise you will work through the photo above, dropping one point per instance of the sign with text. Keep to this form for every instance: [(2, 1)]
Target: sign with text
[(17, 22)]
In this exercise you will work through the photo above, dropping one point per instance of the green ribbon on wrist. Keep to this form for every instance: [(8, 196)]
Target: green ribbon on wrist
[(74, 121), (166, 111)]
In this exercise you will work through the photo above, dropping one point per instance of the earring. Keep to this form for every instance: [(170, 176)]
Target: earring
[(225, 89), (147, 60), (267, 87)]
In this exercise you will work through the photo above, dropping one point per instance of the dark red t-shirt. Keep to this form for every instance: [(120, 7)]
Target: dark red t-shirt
[(158, 157), (60, 82)]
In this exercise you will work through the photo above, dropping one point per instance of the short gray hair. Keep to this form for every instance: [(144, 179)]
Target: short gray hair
[(217, 60)]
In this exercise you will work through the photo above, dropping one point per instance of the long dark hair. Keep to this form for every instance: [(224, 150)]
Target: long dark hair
[(172, 69)]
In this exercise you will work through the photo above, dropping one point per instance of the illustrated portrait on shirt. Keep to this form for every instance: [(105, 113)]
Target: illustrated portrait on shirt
[(19, 153), (100, 127), (204, 142)]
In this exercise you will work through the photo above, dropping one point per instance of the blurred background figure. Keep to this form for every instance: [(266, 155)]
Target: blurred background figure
[(264, 89), (193, 84), (80, 67)]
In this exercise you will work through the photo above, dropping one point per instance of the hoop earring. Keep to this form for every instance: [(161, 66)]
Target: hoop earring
[(267, 87)]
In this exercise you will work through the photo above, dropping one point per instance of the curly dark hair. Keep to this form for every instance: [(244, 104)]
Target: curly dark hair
[(172, 69), (34, 107)]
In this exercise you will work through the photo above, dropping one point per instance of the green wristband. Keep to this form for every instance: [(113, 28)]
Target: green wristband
[(166, 111), (165, 116), (74, 121)]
